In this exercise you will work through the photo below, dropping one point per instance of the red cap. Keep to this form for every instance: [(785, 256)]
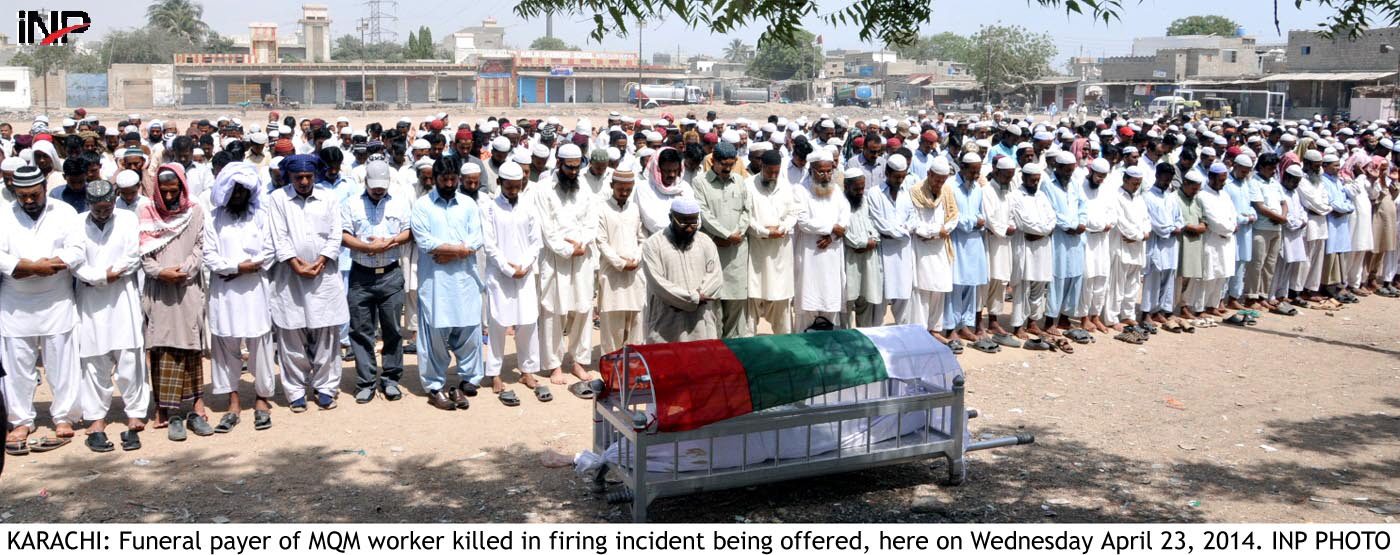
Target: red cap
[(859, 142), (930, 135), (711, 138), (273, 115), (464, 133), (435, 125), (1232, 152), (895, 143), (80, 112), (1125, 131), (283, 147)]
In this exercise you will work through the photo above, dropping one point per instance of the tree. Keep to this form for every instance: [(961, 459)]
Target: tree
[(1002, 57), (349, 48), (892, 22), (181, 18), (551, 43), (420, 45), (778, 61), (738, 52), (943, 46), (1203, 25)]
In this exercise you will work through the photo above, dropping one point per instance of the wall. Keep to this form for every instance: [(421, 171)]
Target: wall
[(19, 98), (1148, 46), (1363, 54), (162, 85)]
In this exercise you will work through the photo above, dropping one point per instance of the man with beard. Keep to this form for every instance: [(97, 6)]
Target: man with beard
[(1066, 196), (864, 295), (823, 216), (932, 219), (172, 247), (969, 255), (109, 327), (597, 177), (683, 274), (308, 297), (621, 287), (663, 184), (775, 211), (1219, 216), (569, 267), (421, 185), (999, 230), (890, 212), (1242, 190), (376, 226), (500, 154), (1291, 271), (1101, 214), (1034, 219), (1163, 250), (1190, 268), (1318, 204), (1129, 254), (725, 210), (39, 245), (447, 229), (238, 252), (512, 242)]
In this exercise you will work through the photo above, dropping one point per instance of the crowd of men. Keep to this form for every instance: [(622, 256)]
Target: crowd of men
[(131, 250)]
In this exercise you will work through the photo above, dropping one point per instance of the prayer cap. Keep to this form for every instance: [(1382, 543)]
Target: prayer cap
[(1032, 168), (377, 175), (11, 164), (930, 135), (422, 162), (598, 155), (1132, 171), (1330, 158), (625, 172), (500, 144), (1295, 170), (512, 130), (299, 163), (28, 176), (1219, 167), (971, 158), (1016, 130), (820, 155), (725, 151), (614, 154), (511, 171), (471, 168), (1043, 136), (1208, 151), (897, 163), (100, 190), (423, 144), (770, 157), (730, 136), (1005, 163), (761, 146), (940, 166), (520, 156), (1099, 165), (539, 151), (1195, 176), (127, 178), (685, 206), (1244, 160), (258, 138), (570, 151), (853, 172), (1064, 158)]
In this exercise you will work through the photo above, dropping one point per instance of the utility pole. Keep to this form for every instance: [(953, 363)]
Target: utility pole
[(639, 63), (363, 25), (379, 32), (549, 25)]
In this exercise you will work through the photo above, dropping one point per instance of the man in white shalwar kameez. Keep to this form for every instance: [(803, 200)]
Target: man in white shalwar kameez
[(771, 226), (568, 267), (40, 243), (513, 243), (1318, 204), (1101, 210), (1218, 213), (891, 212), (621, 285), (932, 225), (864, 297), (238, 253), (110, 336), (683, 277), (307, 299), (1034, 218), (823, 217), (999, 230), (1129, 238)]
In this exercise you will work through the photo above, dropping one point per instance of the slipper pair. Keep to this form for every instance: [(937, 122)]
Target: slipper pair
[(955, 345), (1036, 344), (987, 346), (510, 399), (98, 442), (1285, 309), (1080, 336), (1131, 336)]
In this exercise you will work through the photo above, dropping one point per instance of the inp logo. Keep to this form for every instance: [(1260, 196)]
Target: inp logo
[(46, 27)]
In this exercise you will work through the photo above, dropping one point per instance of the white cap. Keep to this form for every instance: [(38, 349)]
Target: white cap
[(1295, 170), (500, 144), (421, 144), (1312, 156), (1195, 176), (68, 122), (520, 156), (1330, 158), (971, 158), (614, 154), (1006, 163), (1132, 171), (940, 166), (511, 171), (853, 172), (1064, 158), (471, 168), (1244, 160), (896, 162), (685, 205), (1099, 165), (124, 178), (1032, 168), (1208, 151), (570, 151), (258, 138), (539, 151)]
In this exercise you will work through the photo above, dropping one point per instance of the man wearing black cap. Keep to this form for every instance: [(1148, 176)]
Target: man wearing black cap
[(39, 245)]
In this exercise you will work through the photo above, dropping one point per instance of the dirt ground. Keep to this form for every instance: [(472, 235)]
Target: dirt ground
[(1295, 420)]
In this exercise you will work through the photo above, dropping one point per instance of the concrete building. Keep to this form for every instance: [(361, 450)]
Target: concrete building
[(14, 88), (1147, 46), (316, 31), (834, 66), (467, 42), (1086, 68), (262, 43)]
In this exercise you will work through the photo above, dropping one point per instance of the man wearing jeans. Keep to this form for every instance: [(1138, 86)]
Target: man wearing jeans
[(375, 226)]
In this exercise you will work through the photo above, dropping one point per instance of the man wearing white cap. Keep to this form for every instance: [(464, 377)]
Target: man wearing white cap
[(1318, 204), (1034, 219), (932, 220), (1129, 254), (1291, 270), (500, 154), (1067, 196), (864, 282), (823, 215), (970, 271), (891, 212), (1221, 219), (568, 269), (774, 218), (999, 229), (683, 273), (621, 285), (40, 246), (1243, 191), (1190, 269), (513, 245), (726, 208), (1338, 228), (1101, 215)]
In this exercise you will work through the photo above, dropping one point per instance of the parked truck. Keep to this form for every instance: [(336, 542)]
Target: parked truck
[(855, 95), (658, 95), (742, 95)]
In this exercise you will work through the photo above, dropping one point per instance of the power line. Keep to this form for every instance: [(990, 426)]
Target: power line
[(382, 23)]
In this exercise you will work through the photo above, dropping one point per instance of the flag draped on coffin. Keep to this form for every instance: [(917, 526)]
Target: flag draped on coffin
[(700, 382)]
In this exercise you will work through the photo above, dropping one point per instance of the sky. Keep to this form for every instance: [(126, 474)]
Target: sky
[(1072, 33)]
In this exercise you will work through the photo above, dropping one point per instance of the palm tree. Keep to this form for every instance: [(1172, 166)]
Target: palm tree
[(737, 51), (181, 18)]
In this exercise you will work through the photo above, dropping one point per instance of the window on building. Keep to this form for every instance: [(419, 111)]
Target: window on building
[(1231, 56), (1307, 50), (7, 86)]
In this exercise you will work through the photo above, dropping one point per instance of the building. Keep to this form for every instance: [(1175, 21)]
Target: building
[(14, 88), (469, 41), (1148, 46), (262, 43), (1085, 68), (316, 31), (1321, 73), (834, 66)]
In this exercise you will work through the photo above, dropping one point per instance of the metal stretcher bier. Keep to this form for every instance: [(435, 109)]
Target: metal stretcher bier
[(903, 418)]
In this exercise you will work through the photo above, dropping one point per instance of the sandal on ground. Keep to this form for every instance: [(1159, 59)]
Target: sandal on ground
[(50, 443), (1006, 340), (1148, 327), (1061, 344), (508, 398), (227, 423), (1037, 345), (262, 419), (1250, 320), (542, 394), (131, 440), (1172, 326), (1236, 319), (1080, 336), (581, 390), (955, 345), (986, 345), (98, 443), (1129, 337), (1285, 309), (16, 448)]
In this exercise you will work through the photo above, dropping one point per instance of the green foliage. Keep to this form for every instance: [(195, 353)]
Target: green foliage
[(182, 18), (551, 43), (943, 46), (1203, 25), (350, 48), (1003, 57), (420, 45), (738, 52), (143, 45), (778, 61)]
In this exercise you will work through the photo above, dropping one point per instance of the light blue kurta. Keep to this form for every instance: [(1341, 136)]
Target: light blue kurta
[(449, 295), (1243, 193), (1339, 219), (341, 190), (1163, 248), (969, 252), (1070, 212)]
